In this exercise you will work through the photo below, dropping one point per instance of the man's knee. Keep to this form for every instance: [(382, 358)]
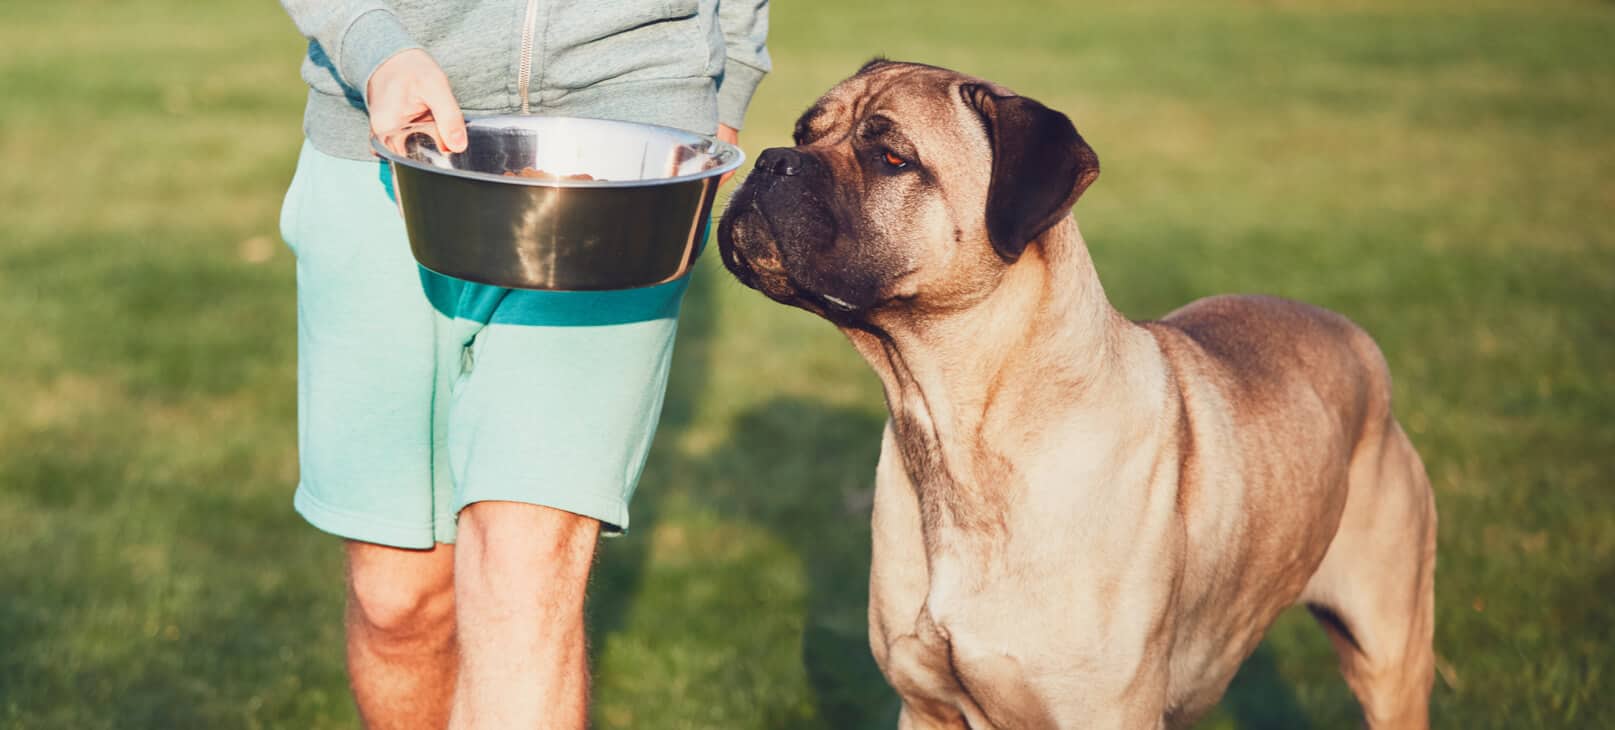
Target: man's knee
[(516, 545), (402, 596)]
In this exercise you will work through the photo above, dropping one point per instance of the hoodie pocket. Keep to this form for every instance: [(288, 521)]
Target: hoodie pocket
[(590, 42)]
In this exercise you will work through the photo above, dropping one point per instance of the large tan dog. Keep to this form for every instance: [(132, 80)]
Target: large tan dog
[(1081, 521)]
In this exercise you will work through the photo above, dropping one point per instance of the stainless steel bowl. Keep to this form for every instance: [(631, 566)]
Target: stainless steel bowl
[(637, 223)]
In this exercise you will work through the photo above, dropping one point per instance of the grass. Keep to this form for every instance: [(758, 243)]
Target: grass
[(1442, 172)]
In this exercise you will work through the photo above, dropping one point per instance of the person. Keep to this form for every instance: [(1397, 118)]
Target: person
[(471, 442)]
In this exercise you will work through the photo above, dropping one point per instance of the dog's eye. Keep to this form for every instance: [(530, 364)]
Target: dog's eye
[(893, 160)]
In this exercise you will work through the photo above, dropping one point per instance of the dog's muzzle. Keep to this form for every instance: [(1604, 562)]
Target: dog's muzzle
[(780, 215), (781, 161), (766, 211)]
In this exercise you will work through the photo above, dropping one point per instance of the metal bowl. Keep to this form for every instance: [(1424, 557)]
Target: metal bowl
[(638, 222)]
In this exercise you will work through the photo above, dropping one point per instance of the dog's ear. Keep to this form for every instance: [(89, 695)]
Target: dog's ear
[(1040, 167)]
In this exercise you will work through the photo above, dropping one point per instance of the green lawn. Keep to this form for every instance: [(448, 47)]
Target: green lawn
[(1443, 173)]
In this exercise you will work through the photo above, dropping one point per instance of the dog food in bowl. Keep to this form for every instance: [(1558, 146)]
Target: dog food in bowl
[(533, 173)]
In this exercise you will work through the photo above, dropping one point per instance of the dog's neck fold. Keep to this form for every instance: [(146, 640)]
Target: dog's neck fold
[(965, 387)]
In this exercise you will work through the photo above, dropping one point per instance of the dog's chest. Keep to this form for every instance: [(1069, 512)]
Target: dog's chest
[(956, 661), (924, 668)]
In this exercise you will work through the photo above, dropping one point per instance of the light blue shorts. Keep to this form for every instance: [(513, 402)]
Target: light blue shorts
[(419, 394)]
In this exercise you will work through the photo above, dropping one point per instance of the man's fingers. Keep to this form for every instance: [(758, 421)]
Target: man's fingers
[(446, 112), (410, 89), (732, 136)]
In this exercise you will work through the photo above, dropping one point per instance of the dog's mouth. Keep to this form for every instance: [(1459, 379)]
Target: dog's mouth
[(750, 244), (750, 252)]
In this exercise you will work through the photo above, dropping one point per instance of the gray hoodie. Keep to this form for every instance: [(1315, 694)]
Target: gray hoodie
[(680, 63)]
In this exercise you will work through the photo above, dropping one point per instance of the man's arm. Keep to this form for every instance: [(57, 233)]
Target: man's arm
[(374, 53), (357, 35), (745, 34)]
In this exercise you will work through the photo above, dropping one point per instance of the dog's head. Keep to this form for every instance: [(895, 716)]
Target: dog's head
[(908, 184)]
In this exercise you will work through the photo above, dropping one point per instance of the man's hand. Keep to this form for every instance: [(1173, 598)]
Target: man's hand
[(409, 87), (732, 136)]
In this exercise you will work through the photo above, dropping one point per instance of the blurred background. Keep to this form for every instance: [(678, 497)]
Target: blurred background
[(1441, 172)]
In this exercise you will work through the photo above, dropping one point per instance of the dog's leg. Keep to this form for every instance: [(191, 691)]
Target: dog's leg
[(912, 719), (1374, 592), (898, 581)]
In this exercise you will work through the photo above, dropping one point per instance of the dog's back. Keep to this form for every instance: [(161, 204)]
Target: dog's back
[(1267, 348)]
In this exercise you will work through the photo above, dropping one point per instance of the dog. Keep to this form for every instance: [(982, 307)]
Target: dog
[(1080, 520)]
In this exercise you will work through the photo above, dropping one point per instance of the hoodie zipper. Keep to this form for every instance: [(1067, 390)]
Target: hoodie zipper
[(524, 76)]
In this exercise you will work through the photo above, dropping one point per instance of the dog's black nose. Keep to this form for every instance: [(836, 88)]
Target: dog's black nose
[(780, 161)]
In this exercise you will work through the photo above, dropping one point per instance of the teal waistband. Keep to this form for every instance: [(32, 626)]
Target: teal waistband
[(488, 304)]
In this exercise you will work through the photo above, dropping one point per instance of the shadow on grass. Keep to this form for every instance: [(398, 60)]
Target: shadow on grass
[(1259, 699), (151, 694), (804, 471), (195, 622)]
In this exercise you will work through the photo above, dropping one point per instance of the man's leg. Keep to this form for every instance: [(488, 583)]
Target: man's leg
[(550, 407), (366, 379), (520, 574), (402, 651)]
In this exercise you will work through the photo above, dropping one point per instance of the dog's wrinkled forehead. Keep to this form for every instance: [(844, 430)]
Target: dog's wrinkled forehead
[(923, 93)]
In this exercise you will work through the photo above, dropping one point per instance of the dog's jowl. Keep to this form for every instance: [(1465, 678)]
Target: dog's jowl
[(1081, 521)]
